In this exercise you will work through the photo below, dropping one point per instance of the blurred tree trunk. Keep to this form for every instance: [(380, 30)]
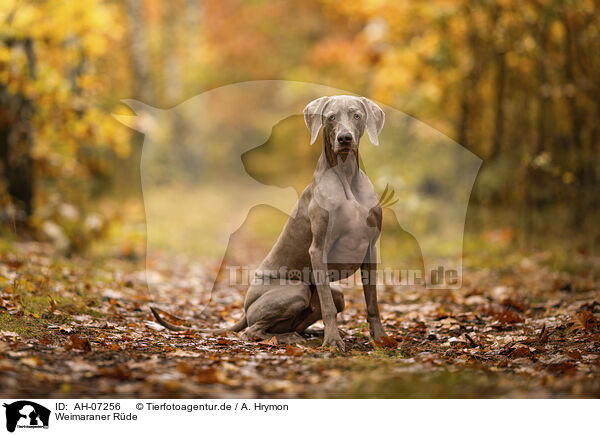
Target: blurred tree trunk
[(140, 64), (532, 179), (499, 83), (499, 86), (578, 156), (172, 63), (471, 83), (16, 137), (542, 92)]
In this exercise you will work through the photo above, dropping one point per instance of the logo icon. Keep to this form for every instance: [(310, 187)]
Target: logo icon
[(26, 414)]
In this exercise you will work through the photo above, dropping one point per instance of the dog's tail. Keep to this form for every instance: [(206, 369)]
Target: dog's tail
[(166, 324), (242, 324)]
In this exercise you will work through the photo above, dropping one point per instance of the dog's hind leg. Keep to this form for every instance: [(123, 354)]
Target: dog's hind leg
[(314, 314), (258, 331), (273, 313)]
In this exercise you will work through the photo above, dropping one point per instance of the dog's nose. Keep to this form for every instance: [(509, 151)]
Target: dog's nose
[(344, 138)]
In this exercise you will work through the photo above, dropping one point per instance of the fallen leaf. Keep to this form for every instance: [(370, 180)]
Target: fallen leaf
[(386, 342), (80, 365), (293, 350), (270, 342), (508, 317), (563, 368), (515, 305), (75, 342), (116, 372), (521, 352), (185, 368), (575, 354), (52, 304), (585, 320), (210, 375), (32, 362)]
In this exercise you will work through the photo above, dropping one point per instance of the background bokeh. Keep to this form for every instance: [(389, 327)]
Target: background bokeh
[(516, 83)]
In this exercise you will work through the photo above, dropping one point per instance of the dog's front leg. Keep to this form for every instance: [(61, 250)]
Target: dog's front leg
[(369, 282), (318, 255), (329, 312)]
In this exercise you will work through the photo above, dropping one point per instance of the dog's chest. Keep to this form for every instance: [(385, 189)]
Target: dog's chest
[(350, 235), (354, 226)]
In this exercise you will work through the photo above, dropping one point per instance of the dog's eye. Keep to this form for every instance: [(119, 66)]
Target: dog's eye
[(356, 116), (332, 117)]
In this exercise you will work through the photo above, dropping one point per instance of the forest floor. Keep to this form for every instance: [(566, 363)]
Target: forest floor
[(75, 327)]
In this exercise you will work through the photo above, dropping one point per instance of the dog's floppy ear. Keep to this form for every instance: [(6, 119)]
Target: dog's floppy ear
[(313, 116), (375, 120)]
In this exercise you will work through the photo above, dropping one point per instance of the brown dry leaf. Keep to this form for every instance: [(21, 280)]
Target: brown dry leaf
[(116, 372), (293, 350), (75, 342), (575, 354), (585, 320), (508, 317), (52, 303), (515, 305), (185, 368), (32, 362), (566, 368), (210, 375), (271, 342), (190, 333), (521, 352), (543, 335), (386, 342)]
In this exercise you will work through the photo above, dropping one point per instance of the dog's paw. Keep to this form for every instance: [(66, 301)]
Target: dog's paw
[(334, 343), (377, 331)]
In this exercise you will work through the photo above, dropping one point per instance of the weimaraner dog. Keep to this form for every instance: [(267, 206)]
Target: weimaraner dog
[(332, 232)]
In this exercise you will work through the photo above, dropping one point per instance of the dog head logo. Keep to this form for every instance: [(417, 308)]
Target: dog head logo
[(26, 414), (199, 190)]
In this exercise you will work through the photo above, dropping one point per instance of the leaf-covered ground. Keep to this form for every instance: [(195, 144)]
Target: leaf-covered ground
[(82, 328)]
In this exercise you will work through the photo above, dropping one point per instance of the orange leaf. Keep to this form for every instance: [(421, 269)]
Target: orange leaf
[(293, 350), (77, 343), (209, 376), (271, 342), (521, 352), (185, 368), (386, 341), (509, 316)]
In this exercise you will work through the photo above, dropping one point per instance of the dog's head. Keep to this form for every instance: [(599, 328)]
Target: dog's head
[(344, 119)]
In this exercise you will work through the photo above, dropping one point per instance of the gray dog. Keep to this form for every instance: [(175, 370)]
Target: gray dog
[(332, 232)]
